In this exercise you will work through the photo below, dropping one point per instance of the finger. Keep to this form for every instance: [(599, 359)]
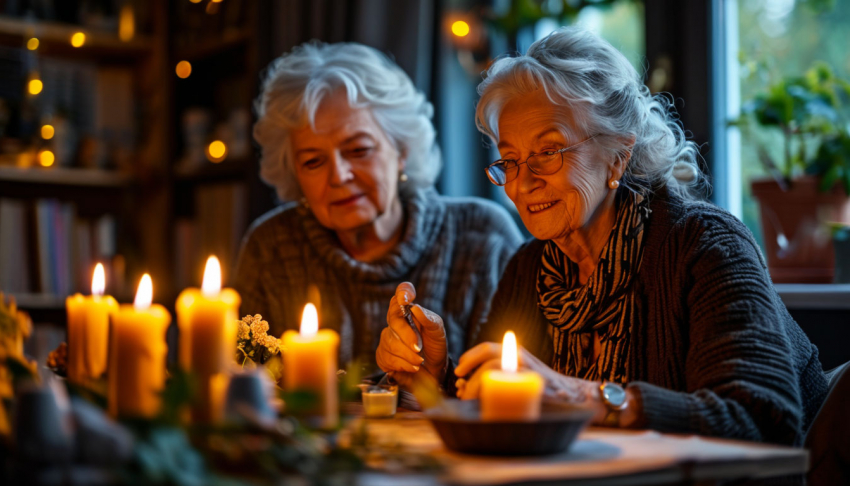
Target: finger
[(405, 293), (477, 355), (395, 346), (473, 384), (399, 325), (388, 362), (460, 384), (428, 322)]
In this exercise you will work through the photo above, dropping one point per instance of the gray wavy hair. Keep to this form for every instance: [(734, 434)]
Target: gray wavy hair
[(295, 84), (581, 71)]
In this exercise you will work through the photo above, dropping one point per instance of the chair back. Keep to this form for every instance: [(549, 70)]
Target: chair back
[(828, 439)]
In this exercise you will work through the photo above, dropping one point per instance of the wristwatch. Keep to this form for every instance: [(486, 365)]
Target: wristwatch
[(614, 398)]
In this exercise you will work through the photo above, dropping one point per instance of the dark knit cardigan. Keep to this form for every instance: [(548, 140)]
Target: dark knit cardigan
[(714, 350), (452, 249)]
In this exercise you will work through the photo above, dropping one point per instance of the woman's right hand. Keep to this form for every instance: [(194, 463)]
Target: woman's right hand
[(397, 352)]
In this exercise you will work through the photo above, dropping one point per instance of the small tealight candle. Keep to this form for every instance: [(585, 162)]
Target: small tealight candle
[(88, 330), (310, 364), (137, 355), (507, 394), (207, 319)]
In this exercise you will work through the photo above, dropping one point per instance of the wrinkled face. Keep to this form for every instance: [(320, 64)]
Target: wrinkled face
[(551, 206), (347, 167)]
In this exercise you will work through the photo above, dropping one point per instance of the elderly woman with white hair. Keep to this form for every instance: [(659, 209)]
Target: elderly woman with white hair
[(633, 297), (348, 140)]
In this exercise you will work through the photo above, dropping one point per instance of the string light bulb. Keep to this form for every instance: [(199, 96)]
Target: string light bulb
[(32, 44), (35, 86), (216, 151), (460, 28), (47, 132), (46, 158), (78, 39), (183, 69)]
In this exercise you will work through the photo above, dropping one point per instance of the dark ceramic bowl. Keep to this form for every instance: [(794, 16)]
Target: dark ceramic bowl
[(462, 430)]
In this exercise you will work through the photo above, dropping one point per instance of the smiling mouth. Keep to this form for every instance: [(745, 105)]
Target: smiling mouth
[(536, 208), (348, 200)]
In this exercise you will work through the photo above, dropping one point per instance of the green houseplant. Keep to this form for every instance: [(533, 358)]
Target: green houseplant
[(809, 186)]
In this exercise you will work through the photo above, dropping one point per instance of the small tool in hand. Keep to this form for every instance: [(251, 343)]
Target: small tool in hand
[(408, 316)]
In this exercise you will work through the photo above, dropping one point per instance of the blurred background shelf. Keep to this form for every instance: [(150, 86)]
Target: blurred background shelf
[(55, 39), (66, 177)]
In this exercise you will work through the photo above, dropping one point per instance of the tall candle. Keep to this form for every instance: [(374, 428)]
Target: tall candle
[(508, 394), (137, 355), (207, 319), (88, 330), (310, 364)]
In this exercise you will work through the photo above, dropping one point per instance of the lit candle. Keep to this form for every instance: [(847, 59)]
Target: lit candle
[(88, 330), (137, 355), (207, 319), (508, 394), (310, 364)]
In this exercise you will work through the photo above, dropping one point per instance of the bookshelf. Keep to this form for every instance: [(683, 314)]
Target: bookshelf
[(98, 199), (165, 205)]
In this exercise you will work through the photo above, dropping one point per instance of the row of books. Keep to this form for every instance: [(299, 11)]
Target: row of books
[(217, 227), (45, 247)]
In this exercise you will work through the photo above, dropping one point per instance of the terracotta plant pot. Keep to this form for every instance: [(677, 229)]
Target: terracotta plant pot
[(794, 224)]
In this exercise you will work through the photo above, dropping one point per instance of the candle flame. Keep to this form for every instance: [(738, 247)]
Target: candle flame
[(144, 296), (212, 277), (98, 280), (309, 320), (509, 352)]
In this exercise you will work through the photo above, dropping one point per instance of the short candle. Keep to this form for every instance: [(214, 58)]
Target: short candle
[(207, 319), (310, 365), (507, 394), (137, 353), (88, 330)]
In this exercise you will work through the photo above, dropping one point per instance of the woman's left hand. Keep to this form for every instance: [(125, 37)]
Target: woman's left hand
[(488, 356)]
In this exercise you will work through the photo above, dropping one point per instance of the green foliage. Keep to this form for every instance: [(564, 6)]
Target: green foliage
[(525, 13), (811, 114)]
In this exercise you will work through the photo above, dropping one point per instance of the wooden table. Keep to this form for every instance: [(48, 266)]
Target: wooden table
[(599, 457)]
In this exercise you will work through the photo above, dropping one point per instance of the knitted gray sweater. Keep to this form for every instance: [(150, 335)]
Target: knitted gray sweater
[(714, 350), (452, 249)]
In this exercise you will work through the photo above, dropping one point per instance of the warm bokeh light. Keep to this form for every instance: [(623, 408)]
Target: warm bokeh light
[(32, 44), (47, 132), (212, 277), (78, 39), (126, 23), (46, 158), (216, 1), (195, 1), (216, 151), (144, 296), (98, 280), (509, 352), (309, 320), (460, 28), (184, 69), (35, 86)]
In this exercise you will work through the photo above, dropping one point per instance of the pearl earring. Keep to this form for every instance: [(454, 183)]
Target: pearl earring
[(403, 177), (614, 183)]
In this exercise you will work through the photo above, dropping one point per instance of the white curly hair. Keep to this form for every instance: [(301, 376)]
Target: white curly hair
[(605, 95), (295, 84)]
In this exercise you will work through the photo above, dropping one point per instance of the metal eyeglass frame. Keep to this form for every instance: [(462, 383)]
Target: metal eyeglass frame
[(560, 152)]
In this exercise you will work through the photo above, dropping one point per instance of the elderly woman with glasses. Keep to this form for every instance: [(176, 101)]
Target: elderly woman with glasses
[(348, 139), (634, 298)]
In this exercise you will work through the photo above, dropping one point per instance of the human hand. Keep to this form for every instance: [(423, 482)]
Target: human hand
[(488, 356), (397, 352)]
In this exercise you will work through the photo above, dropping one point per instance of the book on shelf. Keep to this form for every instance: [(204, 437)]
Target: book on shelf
[(216, 228), (45, 248)]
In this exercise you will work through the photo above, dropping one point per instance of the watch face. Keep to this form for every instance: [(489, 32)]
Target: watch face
[(614, 394)]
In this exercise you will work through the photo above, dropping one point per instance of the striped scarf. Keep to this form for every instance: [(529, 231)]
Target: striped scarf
[(604, 305)]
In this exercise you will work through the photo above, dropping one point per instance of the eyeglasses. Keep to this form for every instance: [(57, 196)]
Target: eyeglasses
[(503, 171)]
